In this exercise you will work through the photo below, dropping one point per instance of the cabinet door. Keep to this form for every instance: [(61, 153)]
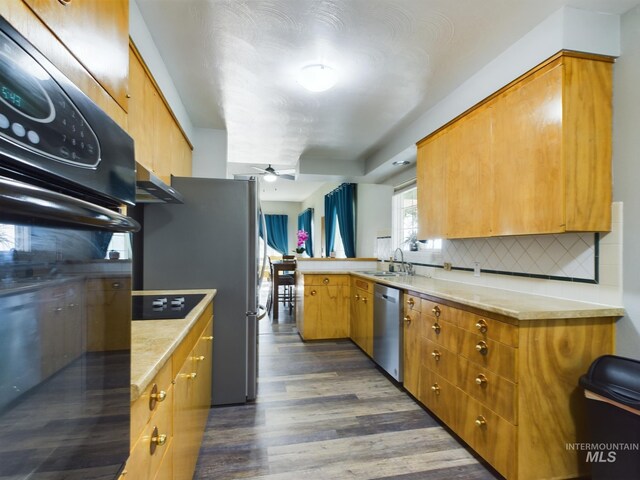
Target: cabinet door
[(87, 27), (366, 315), (140, 117), (325, 311), (185, 435), (411, 351), (431, 187), (108, 303), (468, 191), (527, 167)]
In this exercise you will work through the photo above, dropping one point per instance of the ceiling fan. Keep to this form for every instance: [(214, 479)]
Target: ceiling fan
[(271, 175)]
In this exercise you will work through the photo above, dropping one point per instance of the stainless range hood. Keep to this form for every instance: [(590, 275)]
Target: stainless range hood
[(150, 189)]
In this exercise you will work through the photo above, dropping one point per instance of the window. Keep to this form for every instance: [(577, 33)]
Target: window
[(405, 223), (15, 237), (121, 244), (338, 244)]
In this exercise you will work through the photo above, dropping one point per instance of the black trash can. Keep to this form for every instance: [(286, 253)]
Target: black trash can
[(612, 389)]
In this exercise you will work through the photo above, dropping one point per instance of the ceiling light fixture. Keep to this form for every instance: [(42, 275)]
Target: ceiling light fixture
[(270, 177), (401, 162), (317, 78)]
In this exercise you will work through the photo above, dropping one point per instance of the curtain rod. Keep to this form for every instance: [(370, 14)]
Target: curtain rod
[(339, 187)]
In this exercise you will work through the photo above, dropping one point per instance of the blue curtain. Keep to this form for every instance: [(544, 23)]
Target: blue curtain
[(329, 222), (345, 202), (277, 232), (305, 222), (101, 240)]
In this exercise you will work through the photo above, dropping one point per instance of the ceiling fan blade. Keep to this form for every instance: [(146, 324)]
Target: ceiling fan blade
[(286, 177), (259, 169), (286, 171)]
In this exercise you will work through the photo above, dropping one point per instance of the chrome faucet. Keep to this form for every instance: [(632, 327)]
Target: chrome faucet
[(403, 267)]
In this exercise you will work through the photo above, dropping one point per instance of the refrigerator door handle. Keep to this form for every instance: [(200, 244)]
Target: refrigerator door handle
[(264, 248)]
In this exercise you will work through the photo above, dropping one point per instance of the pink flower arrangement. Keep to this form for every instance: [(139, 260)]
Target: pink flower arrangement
[(302, 237)]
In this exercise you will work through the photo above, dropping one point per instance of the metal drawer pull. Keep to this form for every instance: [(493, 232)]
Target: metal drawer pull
[(482, 326), (436, 355), (436, 328), (156, 396), (407, 320), (481, 380), (157, 440), (364, 299), (198, 358), (313, 293), (436, 311), (357, 297), (435, 388), (208, 337), (482, 348), (190, 376), (325, 281), (115, 284), (481, 421), (411, 302)]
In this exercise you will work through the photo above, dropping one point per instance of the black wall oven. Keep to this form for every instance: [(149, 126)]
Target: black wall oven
[(66, 170)]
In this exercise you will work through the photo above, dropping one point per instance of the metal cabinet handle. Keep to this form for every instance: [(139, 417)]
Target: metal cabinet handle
[(482, 347), (190, 376), (156, 396), (364, 299), (208, 337), (198, 358), (325, 280), (57, 309), (436, 311), (407, 320), (481, 421), (116, 284), (313, 293), (411, 302), (435, 388), (481, 380), (436, 355), (482, 325), (357, 297), (157, 440), (436, 328)]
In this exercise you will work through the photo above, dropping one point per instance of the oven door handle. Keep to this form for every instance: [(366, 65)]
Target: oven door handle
[(24, 203)]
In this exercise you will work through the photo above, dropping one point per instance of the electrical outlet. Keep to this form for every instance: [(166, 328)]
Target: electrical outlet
[(447, 266), (476, 269)]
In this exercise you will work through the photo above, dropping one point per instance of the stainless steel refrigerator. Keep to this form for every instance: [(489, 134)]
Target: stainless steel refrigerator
[(211, 241)]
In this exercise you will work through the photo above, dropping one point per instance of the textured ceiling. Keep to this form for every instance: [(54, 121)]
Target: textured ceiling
[(234, 63)]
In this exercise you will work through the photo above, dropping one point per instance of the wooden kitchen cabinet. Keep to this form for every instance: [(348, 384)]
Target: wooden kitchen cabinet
[(160, 143), (508, 388), (90, 26), (177, 401), (533, 158), (108, 304), (362, 314), (323, 307)]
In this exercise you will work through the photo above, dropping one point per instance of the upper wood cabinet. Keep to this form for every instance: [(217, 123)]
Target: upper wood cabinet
[(160, 144), (533, 158), (96, 32)]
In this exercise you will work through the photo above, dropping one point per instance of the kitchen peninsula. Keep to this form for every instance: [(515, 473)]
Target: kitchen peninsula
[(170, 389)]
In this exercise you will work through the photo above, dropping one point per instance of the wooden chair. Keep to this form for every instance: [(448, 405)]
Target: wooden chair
[(286, 280)]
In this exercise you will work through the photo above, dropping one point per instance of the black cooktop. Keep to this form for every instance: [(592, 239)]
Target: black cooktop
[(163, 307)]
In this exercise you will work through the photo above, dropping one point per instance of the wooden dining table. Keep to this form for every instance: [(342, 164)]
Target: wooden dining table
[(278, 267)]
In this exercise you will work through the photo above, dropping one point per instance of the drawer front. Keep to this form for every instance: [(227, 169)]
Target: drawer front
[(435, 310), (494, 356), (439, 360), (492, 390), (491, 436), (326, 280), (412, 302), (357, 282), (488, 328), (439, 396), (108, 284), (165, 471), (142, 463), (442, 333), (184, 349), (145, 406)]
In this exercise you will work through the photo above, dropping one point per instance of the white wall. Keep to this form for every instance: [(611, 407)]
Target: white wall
[(209, 153), (626, 173), (373, 217), (292, 209)]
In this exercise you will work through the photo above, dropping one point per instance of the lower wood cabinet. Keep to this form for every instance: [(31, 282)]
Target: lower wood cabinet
[(169, 418), (362, 314), (508, 388), (322, 306)]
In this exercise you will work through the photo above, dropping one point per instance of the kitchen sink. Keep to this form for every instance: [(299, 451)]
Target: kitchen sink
[(380, 273)]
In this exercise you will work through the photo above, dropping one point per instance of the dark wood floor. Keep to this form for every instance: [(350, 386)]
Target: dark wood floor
[(324, 411)]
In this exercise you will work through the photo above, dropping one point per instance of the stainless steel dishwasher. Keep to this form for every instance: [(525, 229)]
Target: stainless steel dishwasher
[(388, 329)]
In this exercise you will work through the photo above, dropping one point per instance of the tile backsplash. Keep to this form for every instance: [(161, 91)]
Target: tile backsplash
[(570, 257)]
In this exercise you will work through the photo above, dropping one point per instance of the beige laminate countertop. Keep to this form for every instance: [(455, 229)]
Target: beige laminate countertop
[(521, 306), (154, 341)]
